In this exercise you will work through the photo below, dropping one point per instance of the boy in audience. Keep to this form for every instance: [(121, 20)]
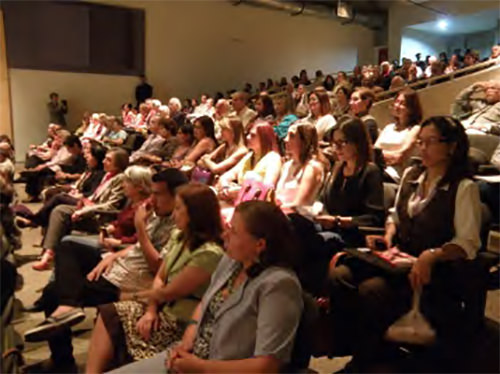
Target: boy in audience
[(85, 279)]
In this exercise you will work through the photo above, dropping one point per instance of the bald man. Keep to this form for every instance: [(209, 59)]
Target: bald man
[(479, 115)]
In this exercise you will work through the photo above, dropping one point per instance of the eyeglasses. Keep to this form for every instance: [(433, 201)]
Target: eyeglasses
[(339, 144), (430, 141)]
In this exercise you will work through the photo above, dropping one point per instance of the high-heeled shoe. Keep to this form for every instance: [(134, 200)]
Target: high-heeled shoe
[(46, 261)]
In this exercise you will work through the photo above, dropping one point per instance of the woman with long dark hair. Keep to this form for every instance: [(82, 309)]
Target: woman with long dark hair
[(134, 330), (436, 220)]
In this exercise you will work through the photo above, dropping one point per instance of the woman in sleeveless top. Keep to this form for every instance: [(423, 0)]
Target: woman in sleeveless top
[(302, 175), (230, 151), (263, 163)]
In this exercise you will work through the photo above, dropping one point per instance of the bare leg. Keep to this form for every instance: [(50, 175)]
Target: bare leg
[(100, 349)]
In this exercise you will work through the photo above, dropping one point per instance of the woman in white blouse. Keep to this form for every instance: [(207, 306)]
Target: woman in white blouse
[(437, 223), (302, 175), (320, 108), (397, 140)]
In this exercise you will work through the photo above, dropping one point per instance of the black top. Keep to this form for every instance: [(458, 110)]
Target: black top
[(360, 196), (90, 183), (77, 165), (179, 118), (142, 92), (371, 125)]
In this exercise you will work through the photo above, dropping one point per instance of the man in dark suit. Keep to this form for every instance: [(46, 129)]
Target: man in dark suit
[(143, 91)]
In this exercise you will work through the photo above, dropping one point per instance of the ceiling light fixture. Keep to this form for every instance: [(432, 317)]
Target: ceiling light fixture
[(443, 24)]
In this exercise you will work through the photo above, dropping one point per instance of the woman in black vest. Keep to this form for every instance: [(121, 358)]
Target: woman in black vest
[(436, 220)]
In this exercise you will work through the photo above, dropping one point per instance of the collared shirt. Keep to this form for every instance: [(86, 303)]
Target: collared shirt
[(467, 218), (132, 272)]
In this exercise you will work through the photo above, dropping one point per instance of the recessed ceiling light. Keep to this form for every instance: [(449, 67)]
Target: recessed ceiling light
[(443, 24)]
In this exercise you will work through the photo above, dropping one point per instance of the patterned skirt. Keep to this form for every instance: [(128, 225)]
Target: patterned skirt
[(169, 331)]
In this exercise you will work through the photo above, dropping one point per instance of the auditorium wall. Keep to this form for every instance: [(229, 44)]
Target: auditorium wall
[(193, 47)]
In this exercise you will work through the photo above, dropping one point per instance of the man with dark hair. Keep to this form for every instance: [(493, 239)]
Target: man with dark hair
[(143, 91), (57, 109), (83, 278)]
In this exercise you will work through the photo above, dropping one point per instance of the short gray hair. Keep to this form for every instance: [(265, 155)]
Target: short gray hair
[(175, 101), (140, 177)]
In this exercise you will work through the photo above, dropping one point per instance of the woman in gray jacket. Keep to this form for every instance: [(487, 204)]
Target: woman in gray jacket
[(247, 319)]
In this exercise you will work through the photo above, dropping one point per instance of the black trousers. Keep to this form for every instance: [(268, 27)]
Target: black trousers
[(71, 287), (42, 216), (32, 161), (366, 300), (35, 180)]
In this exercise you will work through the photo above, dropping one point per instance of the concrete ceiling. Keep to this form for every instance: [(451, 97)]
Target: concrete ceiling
[(466, 24)]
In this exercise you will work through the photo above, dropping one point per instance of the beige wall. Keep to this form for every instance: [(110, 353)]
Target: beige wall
[(402, 14), (196, 46), (5, 116), (437, 100), (30, 93), (191, 47)]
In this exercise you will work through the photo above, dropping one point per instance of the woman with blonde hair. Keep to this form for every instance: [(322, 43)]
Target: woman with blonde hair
[(232, 149), (302, 175)]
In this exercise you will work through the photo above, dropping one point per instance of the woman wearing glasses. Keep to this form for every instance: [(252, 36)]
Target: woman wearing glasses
[(437, 221), (354, 194)]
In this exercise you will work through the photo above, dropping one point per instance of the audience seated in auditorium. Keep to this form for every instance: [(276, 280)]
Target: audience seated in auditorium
[(121, 232), (319, 115), (453, 65), (167, 130), (204, 142), (230, 151), (241, 110), (262, 163), (140, 123), (397, 140), (83, 278), (95, 130), (116, 135), (67, 164), (302, 175), (329, 83), (143, 324), (361, 102), (441, 247), (241, 324), (38, 154), (479, 114), (107, 196), (68, 194)]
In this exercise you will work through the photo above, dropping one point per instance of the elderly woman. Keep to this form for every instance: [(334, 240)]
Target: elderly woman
[(436, 222), (133, 330), (241, 324), (107, 196)]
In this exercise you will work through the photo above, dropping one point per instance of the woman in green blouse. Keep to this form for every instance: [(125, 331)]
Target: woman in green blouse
[(145, 323)]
